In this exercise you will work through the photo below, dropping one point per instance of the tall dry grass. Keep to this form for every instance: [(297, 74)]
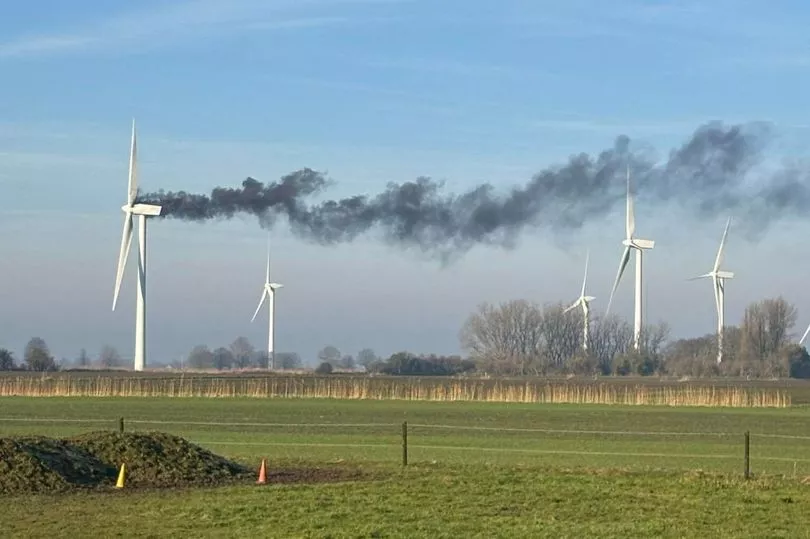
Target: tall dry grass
[(307, 387)]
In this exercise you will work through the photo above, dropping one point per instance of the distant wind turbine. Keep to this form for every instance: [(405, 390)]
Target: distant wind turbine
[(639, 245), (142, 211), (718, 278), (584, 301), (269, 292)]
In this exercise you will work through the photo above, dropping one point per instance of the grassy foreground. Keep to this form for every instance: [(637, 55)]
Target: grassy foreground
[(475, 469), (435, 501), (640, 438)]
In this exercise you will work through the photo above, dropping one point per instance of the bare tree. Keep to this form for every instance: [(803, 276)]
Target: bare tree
[(505, 339), (610, 336), (109, 357), (201, 357), (83, 360), (330, 354), (348, 362), (37, 355), (6, 360), (562, 335), (223, 358), (288, 360), (781, 317), (366, 357), (243, 352), (766, 328), (653, 337)]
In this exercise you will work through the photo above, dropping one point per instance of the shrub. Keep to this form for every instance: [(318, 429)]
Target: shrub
[(324, 368)]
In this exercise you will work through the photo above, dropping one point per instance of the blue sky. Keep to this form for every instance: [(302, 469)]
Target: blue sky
[(371, 92)]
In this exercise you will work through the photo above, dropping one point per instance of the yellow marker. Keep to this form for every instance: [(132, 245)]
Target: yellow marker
[(121, 476)]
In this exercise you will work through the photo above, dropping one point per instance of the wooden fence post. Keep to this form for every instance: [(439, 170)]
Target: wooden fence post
[(404, 443), (747, 456)]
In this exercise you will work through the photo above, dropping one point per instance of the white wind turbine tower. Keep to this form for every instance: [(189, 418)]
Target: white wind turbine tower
[(584, 301), (639, 245), (142, 211), (718, 278), (269, 292)]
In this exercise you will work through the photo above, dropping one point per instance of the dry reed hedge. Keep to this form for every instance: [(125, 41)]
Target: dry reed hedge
[(392, 389)]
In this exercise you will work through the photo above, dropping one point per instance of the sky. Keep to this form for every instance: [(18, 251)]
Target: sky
[(368, 91)]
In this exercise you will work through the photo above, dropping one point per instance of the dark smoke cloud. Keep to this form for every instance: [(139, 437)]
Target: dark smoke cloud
[(708, 176)]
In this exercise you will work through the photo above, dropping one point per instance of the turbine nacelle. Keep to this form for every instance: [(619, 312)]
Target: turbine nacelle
[(637, 243), (274, 286), (148, 210)]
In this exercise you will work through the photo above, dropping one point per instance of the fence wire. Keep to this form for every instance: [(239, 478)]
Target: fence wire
[(418, 438)]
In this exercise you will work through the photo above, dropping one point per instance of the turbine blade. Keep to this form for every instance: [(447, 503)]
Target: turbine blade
[(126, 241), (719, 259), (577, 302), (630, 226), (585, 279), (807, 332), (132, 188), (261, 302), (622, 264), (700, 277)]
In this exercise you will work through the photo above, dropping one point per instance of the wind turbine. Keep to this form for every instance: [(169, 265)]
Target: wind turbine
[(639, 245), (806, 332), (269, 292), (718, 278), (584, 301), (142, 211)]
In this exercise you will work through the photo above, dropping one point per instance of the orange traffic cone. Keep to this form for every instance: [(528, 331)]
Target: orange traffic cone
[(262, 473)]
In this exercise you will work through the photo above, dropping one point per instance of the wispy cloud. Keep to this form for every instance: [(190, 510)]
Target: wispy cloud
[(718, 30), (618, 127), (46, 160), (442, 66), (137, 30)]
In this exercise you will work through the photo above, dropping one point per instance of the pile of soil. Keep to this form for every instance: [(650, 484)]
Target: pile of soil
[(154, 459), (157, 459), (39, 464)]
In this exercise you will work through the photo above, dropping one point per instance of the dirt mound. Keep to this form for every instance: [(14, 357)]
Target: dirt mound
[(154, 459), (39, 464), (157, 459)]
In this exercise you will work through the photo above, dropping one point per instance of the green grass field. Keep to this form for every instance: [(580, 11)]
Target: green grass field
[(474, 469)]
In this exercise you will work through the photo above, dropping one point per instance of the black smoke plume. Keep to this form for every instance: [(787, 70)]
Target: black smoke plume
[(710, 175)]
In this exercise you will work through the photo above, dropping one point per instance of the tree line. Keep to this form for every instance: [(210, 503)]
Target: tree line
[(36, 357), (523, 338), (519, 338), (240, 354)]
